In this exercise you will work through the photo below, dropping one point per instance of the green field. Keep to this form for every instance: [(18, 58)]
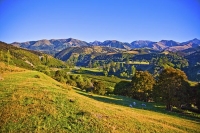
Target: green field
[(30, 101)]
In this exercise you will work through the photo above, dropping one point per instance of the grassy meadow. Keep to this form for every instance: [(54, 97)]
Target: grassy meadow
[(30, 101)]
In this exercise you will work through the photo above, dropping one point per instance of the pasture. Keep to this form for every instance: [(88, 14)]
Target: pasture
[(30, 101)]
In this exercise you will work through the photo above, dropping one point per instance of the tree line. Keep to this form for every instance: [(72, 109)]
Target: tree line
[(171, 87)]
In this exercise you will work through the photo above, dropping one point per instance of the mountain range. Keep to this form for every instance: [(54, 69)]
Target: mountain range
[(55, 45)]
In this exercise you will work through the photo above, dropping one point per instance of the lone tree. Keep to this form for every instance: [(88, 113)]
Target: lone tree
[(142, 85), (171, 87)]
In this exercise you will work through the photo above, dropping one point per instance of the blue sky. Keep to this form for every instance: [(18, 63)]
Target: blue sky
[(89, 20)]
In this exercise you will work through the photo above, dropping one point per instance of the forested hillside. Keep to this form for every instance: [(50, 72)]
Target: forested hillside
[(120, 62), (27, 58)]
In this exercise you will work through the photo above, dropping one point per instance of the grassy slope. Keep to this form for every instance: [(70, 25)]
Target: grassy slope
[(41, 104)]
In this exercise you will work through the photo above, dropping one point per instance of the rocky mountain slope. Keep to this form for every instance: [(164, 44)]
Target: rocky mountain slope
[(51, 46)]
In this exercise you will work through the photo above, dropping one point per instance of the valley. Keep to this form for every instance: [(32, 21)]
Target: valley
[(93, 88), (103, 66)]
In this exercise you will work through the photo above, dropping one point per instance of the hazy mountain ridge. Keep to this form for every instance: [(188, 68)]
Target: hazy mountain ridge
[(56, 45)]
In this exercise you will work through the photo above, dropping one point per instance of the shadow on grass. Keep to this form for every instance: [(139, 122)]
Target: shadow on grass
[(126, 101)]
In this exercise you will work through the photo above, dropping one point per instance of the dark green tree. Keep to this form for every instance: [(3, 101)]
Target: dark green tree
[(122, 88), (197, 97), (171, 87)]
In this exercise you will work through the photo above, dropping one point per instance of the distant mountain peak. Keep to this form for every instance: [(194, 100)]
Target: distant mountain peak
[(167, 41), (56, 45)]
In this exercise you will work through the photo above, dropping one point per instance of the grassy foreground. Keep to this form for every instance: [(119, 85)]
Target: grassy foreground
[(33, 102)]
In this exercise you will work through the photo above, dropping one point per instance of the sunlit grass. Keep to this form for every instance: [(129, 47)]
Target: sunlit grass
[(31, 103)]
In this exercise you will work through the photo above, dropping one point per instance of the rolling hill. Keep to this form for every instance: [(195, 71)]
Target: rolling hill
[(33, 102), (27, 58), (85, 50)]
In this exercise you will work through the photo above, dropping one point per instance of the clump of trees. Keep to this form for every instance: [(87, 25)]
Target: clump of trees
[(140, 87), (119, 69), (86, 84), (171, 88)]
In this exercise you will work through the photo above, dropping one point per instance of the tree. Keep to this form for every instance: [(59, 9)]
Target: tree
[(122, 88), (1, 56), (133, 69), (127, 60), (109, 90), (59, 76), (171, 87), (142, 85), (81, 83), (113, 70), (90, 64), (95, 64), (105, 73), (46, 60), (117, 67), (71, 82), (197, 95), (8, 56), (99, 88)]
